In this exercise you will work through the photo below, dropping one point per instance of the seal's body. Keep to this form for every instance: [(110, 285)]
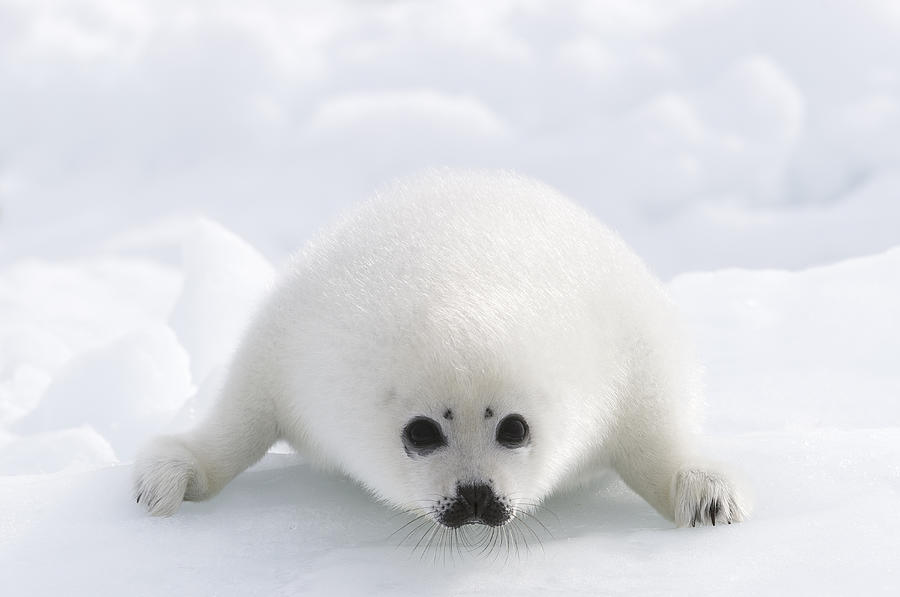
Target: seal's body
[(463, 345)]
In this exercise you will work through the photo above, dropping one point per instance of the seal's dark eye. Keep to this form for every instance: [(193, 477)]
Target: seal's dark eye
[(423, 436), (512, 431)]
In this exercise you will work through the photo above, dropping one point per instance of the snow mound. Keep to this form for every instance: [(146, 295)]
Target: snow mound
[(125, 390), (69, 450), (224, 280), (816, 348), (52, 312), (89, 361)]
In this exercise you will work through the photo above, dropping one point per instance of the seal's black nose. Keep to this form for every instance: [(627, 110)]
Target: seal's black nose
[(477, 497), (475, 503)]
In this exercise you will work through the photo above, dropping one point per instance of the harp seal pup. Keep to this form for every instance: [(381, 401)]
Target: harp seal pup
[(463, 345)]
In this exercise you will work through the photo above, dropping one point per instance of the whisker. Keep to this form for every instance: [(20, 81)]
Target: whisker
[(525, 537), (421, 525), (538, 520), (504, 542), (515, 540), (448, 544), (454, 544), (498, 543), (514, 522), (422, 538), (417, 518), (440, 538), (531, 530), (437, 547), (487, 540), (539, 507)]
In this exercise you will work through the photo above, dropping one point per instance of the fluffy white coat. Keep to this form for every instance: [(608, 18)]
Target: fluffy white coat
[(461, 292)]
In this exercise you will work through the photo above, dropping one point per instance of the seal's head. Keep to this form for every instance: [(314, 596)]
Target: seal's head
[(473, 446)]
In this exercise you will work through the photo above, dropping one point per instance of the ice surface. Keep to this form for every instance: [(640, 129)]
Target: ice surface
[(823, 525), (799, 351), (802, 391), (157, 158)]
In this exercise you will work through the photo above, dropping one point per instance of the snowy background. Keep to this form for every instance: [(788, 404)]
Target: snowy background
[(159, 160)]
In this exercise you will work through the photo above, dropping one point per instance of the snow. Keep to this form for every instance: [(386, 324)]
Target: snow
[(224, 279), (158, 161), (124, 389), (802, 350)]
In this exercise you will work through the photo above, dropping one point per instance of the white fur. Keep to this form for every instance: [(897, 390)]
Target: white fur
[(460, 291)]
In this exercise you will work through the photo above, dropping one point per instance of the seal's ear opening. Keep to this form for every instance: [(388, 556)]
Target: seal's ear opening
[(422, 436), (512, 432)]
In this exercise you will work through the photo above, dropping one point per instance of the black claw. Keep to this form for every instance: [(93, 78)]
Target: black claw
[(713, 510), (138, 500)]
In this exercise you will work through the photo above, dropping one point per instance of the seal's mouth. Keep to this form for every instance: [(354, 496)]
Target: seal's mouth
[(474, 504), (474, 522)]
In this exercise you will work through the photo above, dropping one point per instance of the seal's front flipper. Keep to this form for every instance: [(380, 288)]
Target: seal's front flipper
[(165, 473), (197, 465), (707, 497), (658, 468)]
